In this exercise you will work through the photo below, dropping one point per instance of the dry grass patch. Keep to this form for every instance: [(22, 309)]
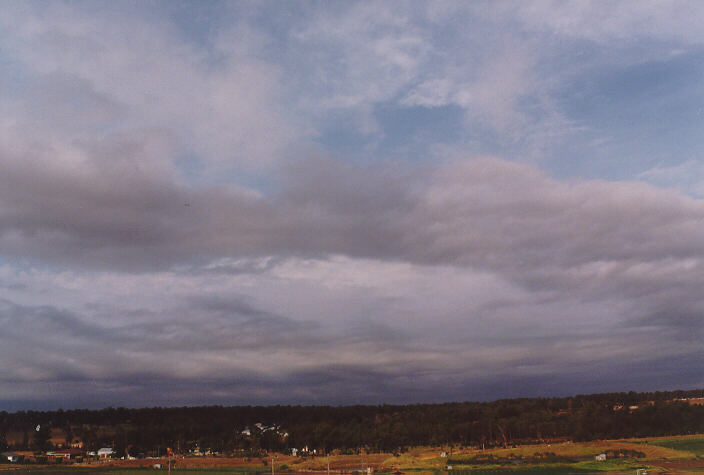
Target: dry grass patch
[(582, 450), (339, 462)]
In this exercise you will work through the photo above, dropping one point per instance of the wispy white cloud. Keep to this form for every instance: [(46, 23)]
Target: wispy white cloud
[(111, 72), (607, 21), (687, 177)]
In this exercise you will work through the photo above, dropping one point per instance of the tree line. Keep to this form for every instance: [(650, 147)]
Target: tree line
[(255, 430)]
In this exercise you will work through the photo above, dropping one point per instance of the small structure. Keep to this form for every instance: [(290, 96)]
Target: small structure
[(600, 458), (66, 454), (105, 452), (11, 457), (294, 452), (443, 454)]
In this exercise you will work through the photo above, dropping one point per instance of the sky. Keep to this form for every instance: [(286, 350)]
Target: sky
[(349, 202)]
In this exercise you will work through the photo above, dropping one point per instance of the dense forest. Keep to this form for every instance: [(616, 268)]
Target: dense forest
[(254, 430)]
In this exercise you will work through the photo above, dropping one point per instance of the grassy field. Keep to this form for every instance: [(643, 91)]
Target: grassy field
[(694, 445), (674, 455)]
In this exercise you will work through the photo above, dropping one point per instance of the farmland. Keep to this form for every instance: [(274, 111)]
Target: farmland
[(618, 432), (683, 454), (693, 445)]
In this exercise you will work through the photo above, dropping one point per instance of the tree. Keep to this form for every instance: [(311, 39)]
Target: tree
[(41, 437), (3, 440), (68, 435)]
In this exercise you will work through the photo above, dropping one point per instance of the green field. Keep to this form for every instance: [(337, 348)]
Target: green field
[(141, 471), (694, 445), (681, 454)]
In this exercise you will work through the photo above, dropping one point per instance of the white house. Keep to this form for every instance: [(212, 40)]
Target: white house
[(11, 457), (105, 452)]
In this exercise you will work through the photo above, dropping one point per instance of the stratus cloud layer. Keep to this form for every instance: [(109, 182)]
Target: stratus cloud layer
[(475, 273), (239, 211)]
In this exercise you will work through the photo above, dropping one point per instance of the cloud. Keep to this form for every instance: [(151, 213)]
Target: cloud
[(604, 22), (114, 71), (685, 177), (475, 272), (483, 213), (238, 95), (175, 208)]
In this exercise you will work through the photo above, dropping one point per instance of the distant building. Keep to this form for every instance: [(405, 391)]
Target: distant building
[(11, 457), (65, 454), (105, 452), (600, 458)]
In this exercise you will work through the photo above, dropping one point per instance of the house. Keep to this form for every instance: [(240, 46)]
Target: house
[(600, 458), (105, 452), (66, 454), (11, 457)]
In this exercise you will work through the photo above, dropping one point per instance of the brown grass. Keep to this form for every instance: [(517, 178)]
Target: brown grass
[(428, 458)]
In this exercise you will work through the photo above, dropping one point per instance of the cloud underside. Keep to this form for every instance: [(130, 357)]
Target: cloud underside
[(484, 212), (397, 283)]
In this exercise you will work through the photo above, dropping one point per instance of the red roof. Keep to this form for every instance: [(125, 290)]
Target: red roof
[(65, 452)]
